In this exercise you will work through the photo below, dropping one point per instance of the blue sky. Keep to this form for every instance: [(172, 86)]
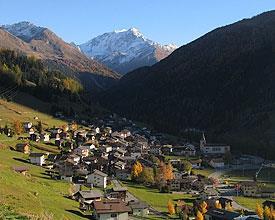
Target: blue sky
[(165, 21)]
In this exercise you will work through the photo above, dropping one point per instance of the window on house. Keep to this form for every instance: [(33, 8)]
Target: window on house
[(113, 215)]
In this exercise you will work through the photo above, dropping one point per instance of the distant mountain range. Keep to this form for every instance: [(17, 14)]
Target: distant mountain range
[(126, 50), (223, 83), (46, 45)]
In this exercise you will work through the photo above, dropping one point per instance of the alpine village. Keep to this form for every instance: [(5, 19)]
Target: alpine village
[(122, 127)]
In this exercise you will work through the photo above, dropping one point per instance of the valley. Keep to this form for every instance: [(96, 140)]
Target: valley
[(118, 126)]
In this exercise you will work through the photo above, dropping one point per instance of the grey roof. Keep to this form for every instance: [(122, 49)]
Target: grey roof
[(98, 172), (138, 205), (36, 154), (222, 214), (119, 189), (90, 194)]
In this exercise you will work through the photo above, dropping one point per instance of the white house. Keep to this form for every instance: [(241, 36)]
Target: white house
[(37, 158), (97, 178), (82, 151), (213, 148), (27, 125), (217, 163), (196, 163), (45, 137)]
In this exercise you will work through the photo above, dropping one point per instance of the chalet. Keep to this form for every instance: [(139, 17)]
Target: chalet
[(124, 133), (139, 208), (97, 178), (45, 137), (74, 158), (196, 163), (217, 163), (87, 197), (123, 174), (155, 150), (121, 151), (82, 151), (186, 150), (119, 193), (90, 145), (182, 184), (120, 165), (27, 125), (111, 209), (34, 137), (24, 148), (249, 188), (208, 149), (220, 214), (167, 149), (209, 193), (106, 148), (37, 158)]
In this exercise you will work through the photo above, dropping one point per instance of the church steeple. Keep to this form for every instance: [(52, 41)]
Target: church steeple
[(202, 141)]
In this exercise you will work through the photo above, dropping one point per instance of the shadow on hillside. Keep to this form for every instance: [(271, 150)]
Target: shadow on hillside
[(80, 214), (20, 160)]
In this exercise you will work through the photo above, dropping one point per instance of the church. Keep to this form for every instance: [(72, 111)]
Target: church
[(217, 149)]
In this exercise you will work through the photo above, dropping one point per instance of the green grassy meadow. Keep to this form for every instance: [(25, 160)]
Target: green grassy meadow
[(154, 198)]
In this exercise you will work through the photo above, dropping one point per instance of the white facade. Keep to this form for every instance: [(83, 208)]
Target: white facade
[(98, 179), (112, 216), (37, 160), (216, 163)]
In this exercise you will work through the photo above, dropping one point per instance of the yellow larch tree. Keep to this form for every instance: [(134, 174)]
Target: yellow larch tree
[(171, 207), (259, 211)]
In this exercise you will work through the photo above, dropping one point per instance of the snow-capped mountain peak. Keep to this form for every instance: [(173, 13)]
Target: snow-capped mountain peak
[(126, 49), (24, 30)]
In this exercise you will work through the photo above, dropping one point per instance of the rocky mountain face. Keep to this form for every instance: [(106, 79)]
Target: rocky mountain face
[(56, 53), (223, 83), (125, 50)]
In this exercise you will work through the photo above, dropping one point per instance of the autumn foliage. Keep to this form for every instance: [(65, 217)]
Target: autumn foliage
[(171, 207), (259, 211), (136, 170), (18, 127)]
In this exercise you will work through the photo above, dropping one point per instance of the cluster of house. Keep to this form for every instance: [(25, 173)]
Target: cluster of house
[(110, 147)]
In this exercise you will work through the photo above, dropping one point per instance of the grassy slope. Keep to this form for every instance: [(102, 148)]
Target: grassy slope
[(266, 174), (10, 111), (33, 195)]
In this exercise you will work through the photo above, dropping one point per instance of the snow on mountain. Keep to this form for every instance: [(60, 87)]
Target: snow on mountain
[(125, 50), (24, 30)]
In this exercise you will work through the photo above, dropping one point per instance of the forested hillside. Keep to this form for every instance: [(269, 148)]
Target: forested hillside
[(222, 83)]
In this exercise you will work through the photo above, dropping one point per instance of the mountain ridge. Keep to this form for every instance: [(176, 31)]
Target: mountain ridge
[(52, 50), (125, 50), (221, 82)]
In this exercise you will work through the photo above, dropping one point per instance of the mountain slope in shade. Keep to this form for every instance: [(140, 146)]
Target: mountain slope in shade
[(223, 82), (45, 45), (125, 50)]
